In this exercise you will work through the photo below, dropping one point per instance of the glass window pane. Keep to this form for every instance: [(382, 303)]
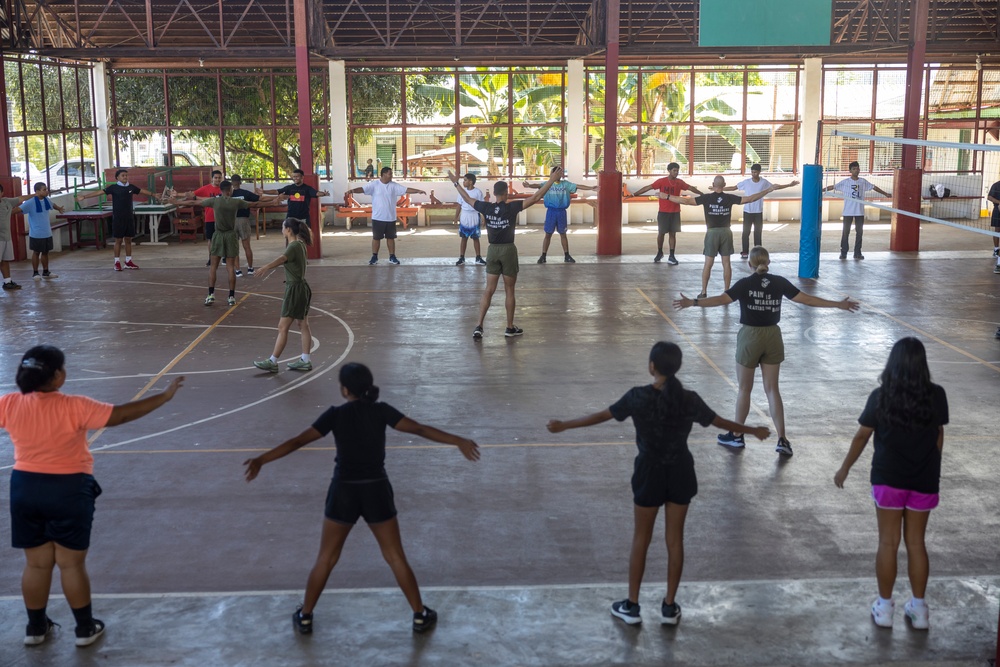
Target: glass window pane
[(246, 100), (430, 152), (847, 94), (665, 96), (53, 103), (86, 100), (139, 102), (538, 97), (286, 100), (662, 145), (771, 95), (537, 150), (250, 153), (483, 97), (202, 144), (484, 150), (891, 94), (774, 146), (430, 98), (319, 90), (595, 97), (31, 77), (194, 101), (953, 93), (717, 149), (718, 96)]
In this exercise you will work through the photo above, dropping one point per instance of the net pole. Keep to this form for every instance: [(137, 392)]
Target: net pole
[(809, 231)]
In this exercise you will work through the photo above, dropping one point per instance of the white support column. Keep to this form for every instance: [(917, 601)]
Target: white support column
[(104, 150), (340, 157), (575, 160), (810, 102)]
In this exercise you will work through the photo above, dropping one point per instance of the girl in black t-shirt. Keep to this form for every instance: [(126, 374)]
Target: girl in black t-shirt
[(663, 414), (759, 341), (907, 414), (360, 487)]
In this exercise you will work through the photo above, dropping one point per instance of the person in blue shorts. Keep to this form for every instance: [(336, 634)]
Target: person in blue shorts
[(469, 220), (556, 204)]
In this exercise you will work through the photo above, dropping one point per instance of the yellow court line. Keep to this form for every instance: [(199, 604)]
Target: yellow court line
[(708, 360), (176, 360), (333, 449)]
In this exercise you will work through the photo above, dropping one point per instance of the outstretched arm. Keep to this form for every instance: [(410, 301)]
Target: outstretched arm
[(786, 185), (414, 191), (461, 191), (284, 449), (816, 302), (469, 449), (759, 432), (881, 191), (643, 190), (594, 188), (677, 199), (557, 426), (709, 302), (759, 195), (127, 412), (533, 186), (857, 446), (554, 177)]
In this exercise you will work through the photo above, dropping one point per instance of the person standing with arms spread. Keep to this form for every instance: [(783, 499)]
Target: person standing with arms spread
[(668, 220), (501, 256), (557, 201), (52, 485), (122, 215), (854, 189), (205, 191), (907, 414), (299, 196), (7, 206), (243, 230), (753, 213), (384, 193), (994, 198), (40, 229), (468, 220), (718, 206)]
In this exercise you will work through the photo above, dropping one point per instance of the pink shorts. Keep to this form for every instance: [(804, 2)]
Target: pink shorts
[(891, 498)]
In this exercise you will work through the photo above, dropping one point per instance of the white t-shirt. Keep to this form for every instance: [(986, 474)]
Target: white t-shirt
[(469, 217), (384, 196), (749, 188), (854, 195)]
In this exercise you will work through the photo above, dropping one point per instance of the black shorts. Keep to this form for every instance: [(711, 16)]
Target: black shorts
[(209, 230), (383, 230), (654, 484), (40, 245), (668, 221), (52, 508), (123, 228), (371, 499)]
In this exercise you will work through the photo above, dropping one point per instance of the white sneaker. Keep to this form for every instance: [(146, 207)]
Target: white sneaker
[(882, 614), (919, 617)]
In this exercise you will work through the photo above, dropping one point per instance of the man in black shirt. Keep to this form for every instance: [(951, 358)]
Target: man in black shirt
[(299, 195), (501, 256), (243, 220), (122, 215), (718, 207)]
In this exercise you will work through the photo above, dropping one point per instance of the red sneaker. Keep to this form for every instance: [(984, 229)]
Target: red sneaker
[(118, 266), (132, 265)]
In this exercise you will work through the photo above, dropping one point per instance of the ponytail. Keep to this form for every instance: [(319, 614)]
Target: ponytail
[(759, 259), (38, 367), (666, 359), (358, 381), (300, 229)]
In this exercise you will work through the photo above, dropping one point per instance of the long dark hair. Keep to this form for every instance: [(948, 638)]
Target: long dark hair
[(359, 381), (666, 359), (906, 397), (300, 228), (38, 366)]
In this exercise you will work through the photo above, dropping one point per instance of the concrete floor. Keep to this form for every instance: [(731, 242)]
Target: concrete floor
[(523, 552)]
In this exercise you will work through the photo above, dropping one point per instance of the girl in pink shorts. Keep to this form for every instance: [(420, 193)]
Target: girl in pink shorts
[(907, 414)]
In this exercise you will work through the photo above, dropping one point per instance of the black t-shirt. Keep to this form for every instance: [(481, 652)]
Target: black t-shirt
[(907, 458), (660, 440), (760, 295), (995, 193), (298, 199), (369, 171), (359, 430), (501, 218), (121, 200), (245, 195), (718, 208)]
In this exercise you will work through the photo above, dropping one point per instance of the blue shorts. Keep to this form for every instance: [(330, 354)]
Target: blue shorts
[(468, 232), (555, 220), (52, 508)]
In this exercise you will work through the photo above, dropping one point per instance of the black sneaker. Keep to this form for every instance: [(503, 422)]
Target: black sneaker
[(703, 295), (36, 636), (568, 259), (843, 255), (11, 286), (997, 334), (223, 262), (744, 255), (480, 260), (730, 439), (510, 332), (477, 333), (460, 262), (784, 447), (659, 256), (373, 261), (671, 260), (48, 274), (996, 252), (393, 260), (425, 620), (541, 260), (671, 613), (88, 634), (208, 263), (627, 611), (858, 255), (303, 623)]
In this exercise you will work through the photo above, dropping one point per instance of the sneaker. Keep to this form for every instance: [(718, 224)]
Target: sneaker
[(541, 260), (208, 263), (784, 447), (373, 261), (996, 335), (744, 255), (129, 264), (36, 276), (239, 274), (672, 261), (569, 259), (303, 623), (425, 620), (858, 255), (460, 262), (118, 266), (249, 270), (36, 636), (703, 295), (477, 333), (843, 255), (48, 274), (266, 365), (996, 252), (11, 286), (659, 256), (299, 364), (480, 260), (730, 439), (510, 332), (671, 613), (231, 301), (393, 260), (627, 611), (223, 262), (996, 269), (87, 635), (919, 617), (882, 615), (210, 299)]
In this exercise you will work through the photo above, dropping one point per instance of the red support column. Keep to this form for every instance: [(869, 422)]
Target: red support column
[(905, 234), (609, 199), (11, 186), (305, 121)]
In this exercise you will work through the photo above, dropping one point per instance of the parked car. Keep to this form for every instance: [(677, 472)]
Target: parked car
[(26, 171), (67, 173)]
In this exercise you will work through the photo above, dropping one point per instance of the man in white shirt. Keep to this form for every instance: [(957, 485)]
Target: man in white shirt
[(753, 213), (853, 190), (468, 219), (384, 193)]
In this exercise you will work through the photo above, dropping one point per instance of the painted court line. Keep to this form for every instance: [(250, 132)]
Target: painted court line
[(333, 449)]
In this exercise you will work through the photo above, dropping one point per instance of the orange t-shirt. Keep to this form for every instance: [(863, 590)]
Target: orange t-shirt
[(49, 430)]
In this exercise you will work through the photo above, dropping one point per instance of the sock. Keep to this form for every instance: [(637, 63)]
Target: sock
[(36, 618), (544, 254), (305, 357), (232, 293), (461, 256), (7, 280), (374, 255), (211, 290), (273, 359), (118, 260), (566, 254), (128, 258), (671, 252), (883, 602), (84, 616), (916, 602)]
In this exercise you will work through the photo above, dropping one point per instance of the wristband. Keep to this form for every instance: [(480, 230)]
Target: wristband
[(694, 302)]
